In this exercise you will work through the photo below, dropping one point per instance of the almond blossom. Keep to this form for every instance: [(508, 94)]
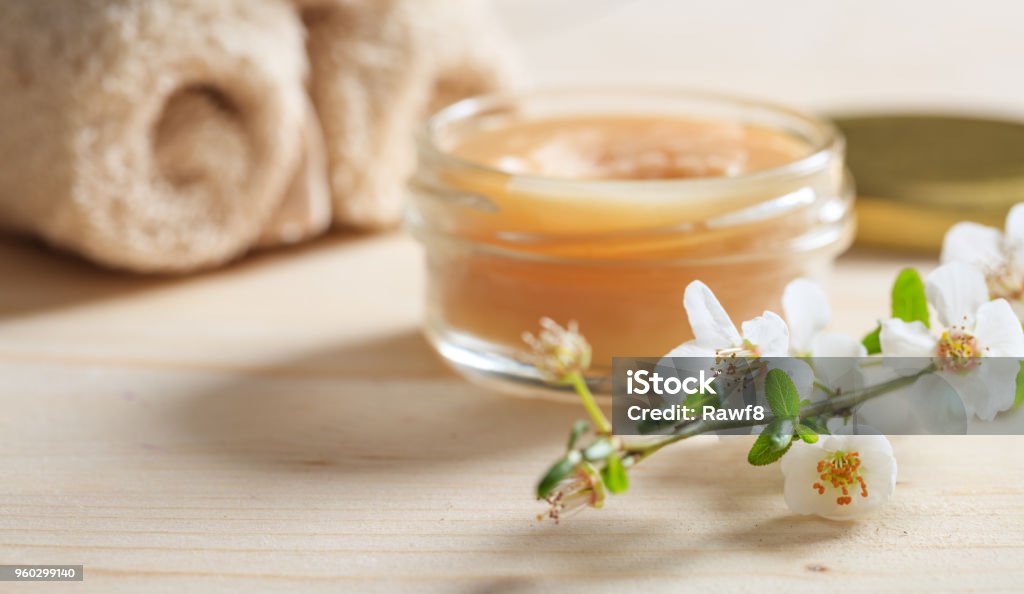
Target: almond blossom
[(999, 255), (715, 335), (839, 477), (973, 346), (808, 315)]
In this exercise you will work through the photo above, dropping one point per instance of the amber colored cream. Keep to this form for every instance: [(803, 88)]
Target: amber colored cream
[(629, 147), (583, 217)]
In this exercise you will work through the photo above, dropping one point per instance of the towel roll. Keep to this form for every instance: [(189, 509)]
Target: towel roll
[(378, 68), (174, 135), (154, 136)]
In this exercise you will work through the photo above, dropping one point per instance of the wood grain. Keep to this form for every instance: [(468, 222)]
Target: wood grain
[(282, 426)]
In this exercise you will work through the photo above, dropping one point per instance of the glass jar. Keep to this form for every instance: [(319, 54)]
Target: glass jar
[(504, 249)]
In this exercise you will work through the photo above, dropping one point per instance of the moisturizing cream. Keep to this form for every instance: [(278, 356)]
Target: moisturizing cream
[(601, 206)]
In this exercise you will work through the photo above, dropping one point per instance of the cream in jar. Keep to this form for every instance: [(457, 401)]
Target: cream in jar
[(601, 207)]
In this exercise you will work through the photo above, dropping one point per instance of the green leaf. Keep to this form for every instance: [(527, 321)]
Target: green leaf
[(773, 443), (558, 471), (806, 433), (782, 433), (781, 394), (598, 450), (873, 341), (578, 429), (614, 475), (816, 424), (647, 426), (1019, 399), (909, 302)]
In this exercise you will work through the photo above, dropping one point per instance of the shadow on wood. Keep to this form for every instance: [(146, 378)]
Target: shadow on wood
[(37, 278), (373, 407)]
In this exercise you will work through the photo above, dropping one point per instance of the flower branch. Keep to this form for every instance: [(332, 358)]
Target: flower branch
[(963, 313)]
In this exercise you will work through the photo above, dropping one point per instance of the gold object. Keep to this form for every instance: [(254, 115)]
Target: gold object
[(916, 175)]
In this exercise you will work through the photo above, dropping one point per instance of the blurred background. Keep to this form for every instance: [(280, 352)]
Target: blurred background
[(826, 56), (927, 93), (178, 136)]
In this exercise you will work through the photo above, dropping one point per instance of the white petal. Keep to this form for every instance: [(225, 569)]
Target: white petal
[(806, 308), (837, 360), (834, 344), (799, 467), (936, 408), (974, 244), (956, 290), (906, 339), (878, 467), (711, 326), (1013, 245), (859, 443), (969, 389), (691, 349), (1015, 224), (842, 373), (769, 333), (999, 377), (987, 390), (837, 424), (929, 406), (998, 330), (891, 413)]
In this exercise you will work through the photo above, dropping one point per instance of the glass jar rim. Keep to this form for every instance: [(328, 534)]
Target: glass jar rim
[(828, 140)]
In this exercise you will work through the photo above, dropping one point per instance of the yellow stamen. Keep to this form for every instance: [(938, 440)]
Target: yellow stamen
[(842, 471), (958, 350), (1004, 281), (747, 349)]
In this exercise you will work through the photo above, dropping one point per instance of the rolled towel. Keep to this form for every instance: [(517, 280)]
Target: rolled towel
[(378, 67), (175, 135), (157, 136), (305, 209)]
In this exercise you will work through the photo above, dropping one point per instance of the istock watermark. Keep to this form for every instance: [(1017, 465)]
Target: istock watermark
[(881, 395)]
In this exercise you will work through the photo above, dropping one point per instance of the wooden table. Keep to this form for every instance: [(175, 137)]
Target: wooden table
[(281, 425)]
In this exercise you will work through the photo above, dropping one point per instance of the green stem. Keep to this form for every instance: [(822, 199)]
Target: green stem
[(852, 399), (601, 423), (826, 407), (831, 393), (875, 362)]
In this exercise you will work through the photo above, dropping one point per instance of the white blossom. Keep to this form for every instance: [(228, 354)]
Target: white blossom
[(558, 352), (999, 255), (808, 315), (974, 343), (715, 335), (839, 477)]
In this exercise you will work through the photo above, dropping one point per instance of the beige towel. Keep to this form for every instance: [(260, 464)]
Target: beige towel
[(176, 135), (419, 55)]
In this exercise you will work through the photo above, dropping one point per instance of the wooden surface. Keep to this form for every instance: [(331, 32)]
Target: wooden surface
[(282, 426)]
